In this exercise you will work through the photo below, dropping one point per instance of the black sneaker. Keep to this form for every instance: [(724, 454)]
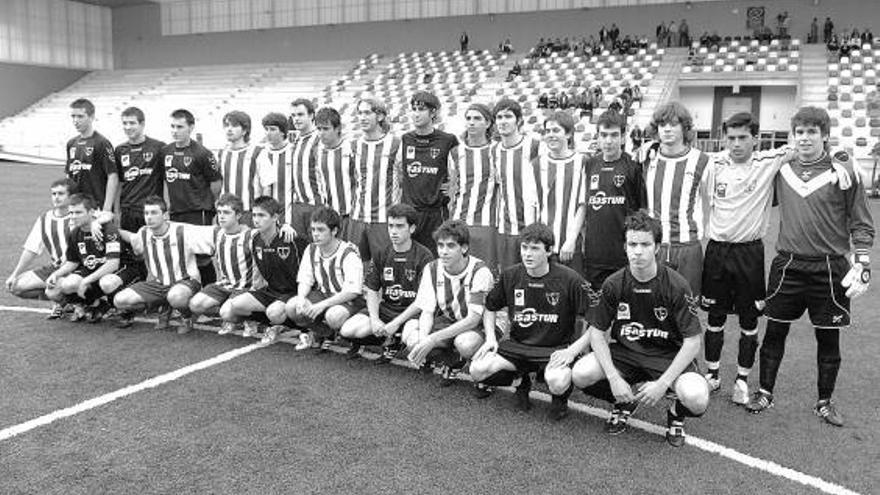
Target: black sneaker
[(126, 319), (674, 430), (388, 355), (620, 413), (448, 376), (825, 409), (426, 368), (56, 313), (354, 352), (761, 401), (96, 313), (482, 391), (558, 407), (523, 403)]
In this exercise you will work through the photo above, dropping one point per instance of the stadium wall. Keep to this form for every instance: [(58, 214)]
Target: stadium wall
[(138, 42), (774, 111), (26, 84)]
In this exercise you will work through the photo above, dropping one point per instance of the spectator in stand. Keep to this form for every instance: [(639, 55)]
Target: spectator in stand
[(786, 24), (553, 101), (684, 34), (463, 41), (672, 36), (636, 136), (813, 37), (563, 100), (516, 70), (507, 46), (614, 32), (543, 100), (603, 34), (867, 36), (661, 34), (833, 44), (827, 30), (636, 92)]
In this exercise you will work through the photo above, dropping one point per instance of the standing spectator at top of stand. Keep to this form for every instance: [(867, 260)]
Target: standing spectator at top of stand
[(463, 41)]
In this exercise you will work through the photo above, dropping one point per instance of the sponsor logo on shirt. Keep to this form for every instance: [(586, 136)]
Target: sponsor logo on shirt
[(388, 274), (527, 317), (172, 175), (519, 297), (416, 168), (126, 160), (71, 153), (623, 312), (598, 200), (77, 166), (594, 182), (410, 152), (721, 189), (396, 293), (636, 331)]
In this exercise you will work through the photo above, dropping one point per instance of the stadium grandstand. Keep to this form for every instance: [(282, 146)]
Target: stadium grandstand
[(298, 216)]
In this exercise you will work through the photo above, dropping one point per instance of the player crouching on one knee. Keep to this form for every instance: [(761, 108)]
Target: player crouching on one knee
[(451, 296), (391, 284), (329, 282), (655, 338), (545, 302), (89, 261)]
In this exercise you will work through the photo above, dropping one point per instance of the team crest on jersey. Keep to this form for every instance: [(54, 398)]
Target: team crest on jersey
[(623, 312), (283, 252), (693, 303), (435, 152), (594, 182), (552, 298), (388, 274), (187, 161), (750, 188), (148, 156), (806, 174), (410, 274), (619, 180), (126, 160), (82, 248), (661, 313), (721, 189), (169, 160), (519, 297), (410, 151), (89, 150)]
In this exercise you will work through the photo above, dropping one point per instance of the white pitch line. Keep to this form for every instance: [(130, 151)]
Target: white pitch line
[(769, 467)]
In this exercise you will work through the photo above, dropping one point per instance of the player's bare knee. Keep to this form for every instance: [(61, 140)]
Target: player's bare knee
[(292, 308), (336, 317), (110, 283), (586, 371), (226, 311), (70, 284), (178, 297), (467, 344), (277, 313), (558, 379), (693, 392), (479, 369), (410, 334)]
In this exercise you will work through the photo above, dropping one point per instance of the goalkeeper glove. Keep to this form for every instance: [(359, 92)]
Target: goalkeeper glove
[(858, 277)]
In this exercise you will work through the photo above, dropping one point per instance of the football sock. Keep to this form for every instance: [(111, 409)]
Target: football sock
[(748, 345), (828, 360), (600, 390), (772, 351), (500, 378), (714, 341), (680, 411)]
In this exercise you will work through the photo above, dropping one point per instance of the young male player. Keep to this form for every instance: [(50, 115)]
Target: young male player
[(733, 270), (820, 226), (90, 158), (614, 189), (391, 284), (275, 165), (677, 177), (87, 259), (278, 260), (517, 194), (451, 297), (143, 175), (307, 182), (329, 282), (424, 182), (193, 180), (545, 304), (238, 161), (472, 181), (335, 164), (169, 250), (655, 335), (560, 182), (377, 155), (49, 234), (234, 258)]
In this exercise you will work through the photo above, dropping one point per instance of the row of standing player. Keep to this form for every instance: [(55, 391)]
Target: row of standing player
[(679, 179)]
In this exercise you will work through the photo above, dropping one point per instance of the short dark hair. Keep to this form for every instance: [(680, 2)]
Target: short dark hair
[(538, 233), (84, 104), (134, 112), (326, 215), (82, 199), (610, 120), (328, 115), (268, 204), (455, 230), (156, 200), (65, 182), (812, 116), (403, 210), (240, 119), (508, 104), (230, 200), (674, 112), (642, 221), (739, 120), (277, 120), (310, 106), (565, 120), (182, 113)]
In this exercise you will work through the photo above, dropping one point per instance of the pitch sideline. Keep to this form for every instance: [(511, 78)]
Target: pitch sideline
[(702, 444)]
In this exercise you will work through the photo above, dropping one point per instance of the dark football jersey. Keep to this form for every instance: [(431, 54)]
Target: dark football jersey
[(613, 191), (425, 167), (542, 310), (650, 318), (140, 171), (397, 275), (89, 162), (278, 262), (189, 172), (91, 254)]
